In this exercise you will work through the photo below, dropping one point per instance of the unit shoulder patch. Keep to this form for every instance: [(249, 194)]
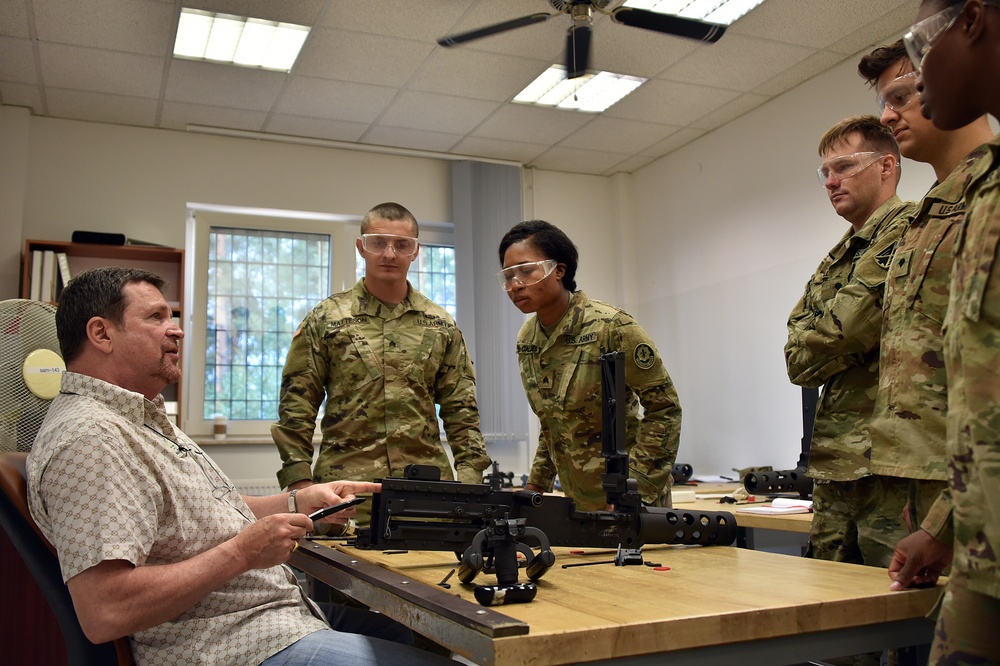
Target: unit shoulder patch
[(644, 356)]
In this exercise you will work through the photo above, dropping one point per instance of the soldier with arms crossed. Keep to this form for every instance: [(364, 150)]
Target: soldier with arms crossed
[(833, 341)]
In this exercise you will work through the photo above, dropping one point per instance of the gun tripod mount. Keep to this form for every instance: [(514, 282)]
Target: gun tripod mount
[(495, 548)]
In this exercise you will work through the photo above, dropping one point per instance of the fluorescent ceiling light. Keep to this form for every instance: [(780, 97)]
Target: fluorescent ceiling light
[(249, 42), (591, 93), (724, 12)]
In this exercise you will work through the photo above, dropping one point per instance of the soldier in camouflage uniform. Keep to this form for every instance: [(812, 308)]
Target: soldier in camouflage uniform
[(908, 425), (957, 44), (833, 339), (558, 350), (382, 355)]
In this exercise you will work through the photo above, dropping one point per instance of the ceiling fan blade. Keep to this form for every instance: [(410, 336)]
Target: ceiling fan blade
[(577, 50), (667, 24), (462, 37)]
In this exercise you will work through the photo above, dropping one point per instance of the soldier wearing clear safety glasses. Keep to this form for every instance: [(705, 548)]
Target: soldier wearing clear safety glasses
[(381, 355), (558, 352), (956, 48), (908, 424)]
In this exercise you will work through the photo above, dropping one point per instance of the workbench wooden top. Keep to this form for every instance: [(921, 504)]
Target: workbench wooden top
[(709, 596)]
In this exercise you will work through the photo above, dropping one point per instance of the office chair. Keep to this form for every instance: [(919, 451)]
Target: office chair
[(40, 559)]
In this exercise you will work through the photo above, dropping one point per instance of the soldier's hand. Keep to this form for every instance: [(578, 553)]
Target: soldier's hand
[(533, 488), (918, 561), (271, 540)]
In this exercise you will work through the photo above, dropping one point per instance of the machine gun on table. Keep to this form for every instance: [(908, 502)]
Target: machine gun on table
[(489, 526)]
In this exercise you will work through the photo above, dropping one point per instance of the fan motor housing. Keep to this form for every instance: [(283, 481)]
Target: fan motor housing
[(561, 5)]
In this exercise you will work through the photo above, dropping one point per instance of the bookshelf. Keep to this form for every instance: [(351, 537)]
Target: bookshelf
[(166, 262)]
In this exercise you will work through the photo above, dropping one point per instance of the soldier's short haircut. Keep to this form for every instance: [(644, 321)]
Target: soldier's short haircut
[(391, 212), (548, 239), (98, 292), (874, 135), (876, 63)]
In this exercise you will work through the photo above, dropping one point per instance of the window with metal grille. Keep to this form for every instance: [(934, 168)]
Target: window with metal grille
[(261, 284), (432, 273)]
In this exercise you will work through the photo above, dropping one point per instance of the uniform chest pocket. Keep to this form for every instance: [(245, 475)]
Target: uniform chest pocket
[(578, 385), (930, 282), (976, 266), (424, 357), (353, 362)]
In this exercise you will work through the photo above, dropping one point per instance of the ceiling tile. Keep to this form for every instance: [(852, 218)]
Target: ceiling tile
[(96, 70), (352, 102), (178, 115), (816, 24), (730, 111), (300, 12), (361, 58), (670, 102), (18, 62), (736, 62), (679, 138), (411, 138), (427, 111), (531, 124), (616, 135), (477, 74), (14, 19), (133, 26), (800, 72), (321, 128), (81, 105), (577, 161), (419, 19), (514, 151), (222, 85)]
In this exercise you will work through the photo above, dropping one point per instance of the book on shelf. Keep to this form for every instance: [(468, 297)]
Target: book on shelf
[(64, 272), (35, 288), (780, 506), (47, 291)]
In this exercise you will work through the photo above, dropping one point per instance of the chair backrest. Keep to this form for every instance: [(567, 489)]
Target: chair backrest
[(40, 559)]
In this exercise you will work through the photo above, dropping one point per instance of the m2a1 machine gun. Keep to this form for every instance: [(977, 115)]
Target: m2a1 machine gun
[(488, 526)]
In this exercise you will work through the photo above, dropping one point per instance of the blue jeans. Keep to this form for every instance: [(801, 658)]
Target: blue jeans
[(359, 636), (332, 648)]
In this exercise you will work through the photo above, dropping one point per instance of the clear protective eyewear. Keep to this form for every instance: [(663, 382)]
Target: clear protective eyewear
[(899, 93), (527, 274), (380, 243), (847, 166), (922, 34)]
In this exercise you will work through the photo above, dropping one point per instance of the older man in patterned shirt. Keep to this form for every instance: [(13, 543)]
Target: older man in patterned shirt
[(154, 541)]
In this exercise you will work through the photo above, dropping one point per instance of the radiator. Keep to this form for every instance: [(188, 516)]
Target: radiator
[(257, 486)]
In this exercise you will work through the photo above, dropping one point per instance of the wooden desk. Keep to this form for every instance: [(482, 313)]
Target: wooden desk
[(715, 605), (798, 523)]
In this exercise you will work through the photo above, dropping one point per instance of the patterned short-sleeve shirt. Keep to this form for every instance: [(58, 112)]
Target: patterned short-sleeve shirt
[(110, 478)]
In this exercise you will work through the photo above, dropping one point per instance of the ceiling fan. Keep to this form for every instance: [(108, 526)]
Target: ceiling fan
[(578, 35)]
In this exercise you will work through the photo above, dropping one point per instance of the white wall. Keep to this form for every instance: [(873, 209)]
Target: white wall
[(728, 230)]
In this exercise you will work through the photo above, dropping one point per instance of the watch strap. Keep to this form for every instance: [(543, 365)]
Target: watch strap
[(293, 506)]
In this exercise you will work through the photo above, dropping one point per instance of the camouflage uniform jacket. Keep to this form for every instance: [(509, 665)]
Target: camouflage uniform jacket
[(908, 424), (833, 337), (381, 371), (562, 377), (972, 357)]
